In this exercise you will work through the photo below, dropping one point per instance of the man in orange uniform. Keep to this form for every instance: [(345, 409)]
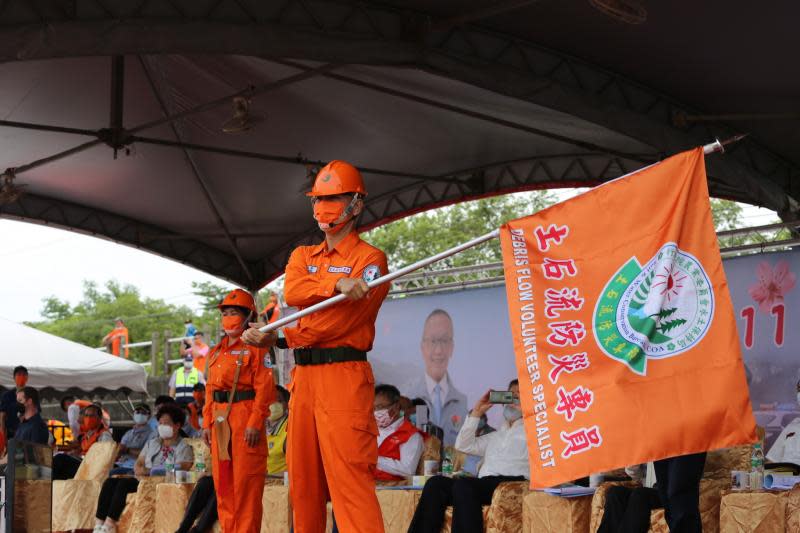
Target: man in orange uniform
[(117, 337), (243, 400), (332, 438)]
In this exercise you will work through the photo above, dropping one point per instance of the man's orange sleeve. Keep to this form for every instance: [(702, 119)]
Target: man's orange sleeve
[(346, 313), (264, 385), (302, 289)]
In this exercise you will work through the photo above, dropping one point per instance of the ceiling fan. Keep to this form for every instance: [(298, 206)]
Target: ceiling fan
[(242, 120), (9, 192)]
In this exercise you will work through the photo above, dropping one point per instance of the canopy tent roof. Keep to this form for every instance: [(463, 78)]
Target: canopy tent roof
[(437, 102), (56, 364)]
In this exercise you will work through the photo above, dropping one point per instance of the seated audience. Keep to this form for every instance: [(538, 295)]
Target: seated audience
[(786, 448), (472, 462), (627, 509), (201, 511), (31, 428), (400, 444), (276, 433), (196, 407), (167, 447), (161, 401), (73, 408), (188, 430), (92, 430), (134, 440), (505, 458)]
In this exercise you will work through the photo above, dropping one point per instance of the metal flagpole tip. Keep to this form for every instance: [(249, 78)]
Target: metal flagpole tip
[(719, 146), (714, 147)]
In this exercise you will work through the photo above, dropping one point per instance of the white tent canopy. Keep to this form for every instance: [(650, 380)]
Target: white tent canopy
[(62, 365)]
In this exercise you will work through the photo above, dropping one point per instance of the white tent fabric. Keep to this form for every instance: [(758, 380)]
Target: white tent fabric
[(62, 365)]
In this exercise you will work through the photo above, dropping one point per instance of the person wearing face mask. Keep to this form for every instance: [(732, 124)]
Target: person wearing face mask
[(183, 380), (786, 448), (196, 407), (332, 448), (92, 430), (505, 458), (32, 428), (167, 447), (134, 440), (9, 411), (400, 444), (276, 433), (239, 389)]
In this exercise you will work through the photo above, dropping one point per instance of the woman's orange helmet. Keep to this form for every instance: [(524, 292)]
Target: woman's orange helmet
[(238, 298), (338, 177)]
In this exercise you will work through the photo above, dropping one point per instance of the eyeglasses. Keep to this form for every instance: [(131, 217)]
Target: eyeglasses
[(439, 342)]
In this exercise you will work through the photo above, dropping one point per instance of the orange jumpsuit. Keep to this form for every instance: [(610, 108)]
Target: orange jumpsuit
[(240, 483), (332, 440), (120, 336)]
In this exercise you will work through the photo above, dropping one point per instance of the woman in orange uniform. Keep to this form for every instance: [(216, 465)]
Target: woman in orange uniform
[(239, 390), (332, 444)]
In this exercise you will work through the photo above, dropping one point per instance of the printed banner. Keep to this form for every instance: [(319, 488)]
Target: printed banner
[(624, 333)]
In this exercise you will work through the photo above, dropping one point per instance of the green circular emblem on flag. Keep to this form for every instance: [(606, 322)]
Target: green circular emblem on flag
[(659, 310)]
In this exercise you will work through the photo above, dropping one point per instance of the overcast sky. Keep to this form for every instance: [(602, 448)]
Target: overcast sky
[(39, 261)]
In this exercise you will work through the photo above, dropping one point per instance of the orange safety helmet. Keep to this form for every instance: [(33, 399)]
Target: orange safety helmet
[(338, 177), (238, 298)]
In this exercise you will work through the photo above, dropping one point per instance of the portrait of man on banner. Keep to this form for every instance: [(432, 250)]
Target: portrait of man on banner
[(447, 406)]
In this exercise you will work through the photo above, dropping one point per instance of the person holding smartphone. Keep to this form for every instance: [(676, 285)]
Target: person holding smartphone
[(505, 458)]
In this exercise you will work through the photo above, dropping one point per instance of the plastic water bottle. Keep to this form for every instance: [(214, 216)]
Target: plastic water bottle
[(169, 472), (200, 463), (757, 468), (447, 464), (169, 466)]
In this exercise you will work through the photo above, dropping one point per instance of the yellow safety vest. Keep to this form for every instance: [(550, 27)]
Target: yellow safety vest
[(276, 460), (184, 385)]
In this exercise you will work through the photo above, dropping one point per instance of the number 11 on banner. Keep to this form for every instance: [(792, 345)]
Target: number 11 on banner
[(749, 315)]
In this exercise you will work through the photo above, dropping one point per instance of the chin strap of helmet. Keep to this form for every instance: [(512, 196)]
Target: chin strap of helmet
[(345, 218)]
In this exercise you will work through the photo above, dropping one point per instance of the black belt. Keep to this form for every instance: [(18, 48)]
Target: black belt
[(222, 396), (322, 356)]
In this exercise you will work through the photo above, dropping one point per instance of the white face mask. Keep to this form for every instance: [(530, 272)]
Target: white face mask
[(139, 418), (165, 432), (188, 365), (511, 413), (382, 418)]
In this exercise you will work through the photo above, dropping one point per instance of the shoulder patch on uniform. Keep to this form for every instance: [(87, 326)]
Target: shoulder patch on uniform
[(339, 270), (312, 269), (267, 360), (371, 273)]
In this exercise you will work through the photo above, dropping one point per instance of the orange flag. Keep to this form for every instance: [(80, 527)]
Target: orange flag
[(624, 332)]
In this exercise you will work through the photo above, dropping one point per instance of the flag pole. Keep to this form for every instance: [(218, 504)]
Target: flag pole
[(383, 279), (716, 146)]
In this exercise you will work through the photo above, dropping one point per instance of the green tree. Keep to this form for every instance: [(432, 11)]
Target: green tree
[(89, 320), (419, 236), (728, 215)]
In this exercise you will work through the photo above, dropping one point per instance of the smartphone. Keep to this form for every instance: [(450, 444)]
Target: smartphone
[(501, 396)]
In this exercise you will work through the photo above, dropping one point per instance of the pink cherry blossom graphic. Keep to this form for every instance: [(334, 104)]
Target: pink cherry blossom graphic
[(772, 286)]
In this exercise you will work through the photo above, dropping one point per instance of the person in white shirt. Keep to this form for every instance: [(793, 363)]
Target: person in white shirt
[(786, 448), (400, 444), (505, 458)]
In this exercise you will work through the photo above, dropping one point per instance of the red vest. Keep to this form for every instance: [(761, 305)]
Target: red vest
[(390, 448)]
